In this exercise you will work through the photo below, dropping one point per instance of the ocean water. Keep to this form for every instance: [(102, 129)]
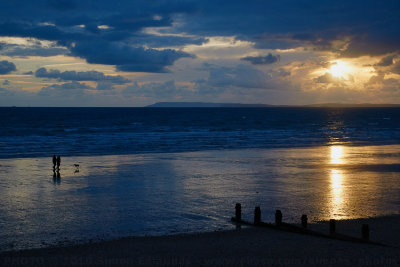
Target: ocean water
[(40, 132), (146, 171)]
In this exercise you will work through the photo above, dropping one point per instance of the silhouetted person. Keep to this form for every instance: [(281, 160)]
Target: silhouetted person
[(58, 162), (54, 161)]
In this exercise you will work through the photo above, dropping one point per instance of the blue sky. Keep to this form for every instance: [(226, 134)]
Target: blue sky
[(134, 53)]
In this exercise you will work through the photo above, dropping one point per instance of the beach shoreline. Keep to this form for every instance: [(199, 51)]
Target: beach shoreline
[(109, 198), (250, 246)]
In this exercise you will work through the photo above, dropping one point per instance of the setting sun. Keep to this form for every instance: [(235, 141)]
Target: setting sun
[(339, 69)]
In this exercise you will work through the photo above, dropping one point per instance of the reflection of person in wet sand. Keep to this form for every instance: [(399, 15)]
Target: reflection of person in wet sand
[(58, 163), (56, 176)]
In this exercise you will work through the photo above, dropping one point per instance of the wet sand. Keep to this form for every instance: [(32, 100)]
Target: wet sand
[(101, 201), (241, 247), (115, 196)]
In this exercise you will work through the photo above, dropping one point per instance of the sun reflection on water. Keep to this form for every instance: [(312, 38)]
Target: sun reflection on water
[(337, 155), (336, 188)]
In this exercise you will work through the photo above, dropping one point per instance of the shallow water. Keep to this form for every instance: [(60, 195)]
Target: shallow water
[(154, 194)]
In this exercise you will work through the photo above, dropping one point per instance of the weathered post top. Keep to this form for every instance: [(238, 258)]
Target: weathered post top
[(304, 221), (332, 226), (278, 217), (365, 232), (238, 212), (257, 215)]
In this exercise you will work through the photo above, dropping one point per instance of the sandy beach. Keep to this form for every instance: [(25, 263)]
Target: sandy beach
[(248, 246), (186, 214)]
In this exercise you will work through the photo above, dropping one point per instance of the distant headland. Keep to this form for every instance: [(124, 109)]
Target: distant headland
[(202, 105)]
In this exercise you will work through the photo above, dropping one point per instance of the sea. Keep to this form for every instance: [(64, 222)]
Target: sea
[(160, 171)]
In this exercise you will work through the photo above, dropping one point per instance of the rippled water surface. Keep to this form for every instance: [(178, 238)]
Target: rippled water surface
[(163, 193), (40, 132)]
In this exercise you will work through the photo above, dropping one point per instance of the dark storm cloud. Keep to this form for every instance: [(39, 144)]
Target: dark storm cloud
[(127, 58), (122, 14), (108, 25), (386, 61), (62, 4), (365, 27), (36, 30), (168, 41), (80, 76), (65, 87), (6, 67), (274, 42), (369, 27), (374, 44), (12, 50), (263, 60)]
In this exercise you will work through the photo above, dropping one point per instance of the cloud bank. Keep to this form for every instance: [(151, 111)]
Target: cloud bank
[(80, 76), (262, 51), (7, 67), (263, 60), (365, 27)]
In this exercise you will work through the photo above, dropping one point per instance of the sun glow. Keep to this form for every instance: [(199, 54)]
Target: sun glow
[(337, 154), (339, 69)]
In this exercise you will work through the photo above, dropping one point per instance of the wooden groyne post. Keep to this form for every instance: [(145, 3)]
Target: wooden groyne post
[(332, 226), (304, 221), (365, 232), (280, 225), (257, 215), (278, 217), (238, 212)]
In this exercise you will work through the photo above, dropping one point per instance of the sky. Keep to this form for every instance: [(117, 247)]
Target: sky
[(135, 53)]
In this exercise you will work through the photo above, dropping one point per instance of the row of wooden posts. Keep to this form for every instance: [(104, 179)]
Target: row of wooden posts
[(304, 222)]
